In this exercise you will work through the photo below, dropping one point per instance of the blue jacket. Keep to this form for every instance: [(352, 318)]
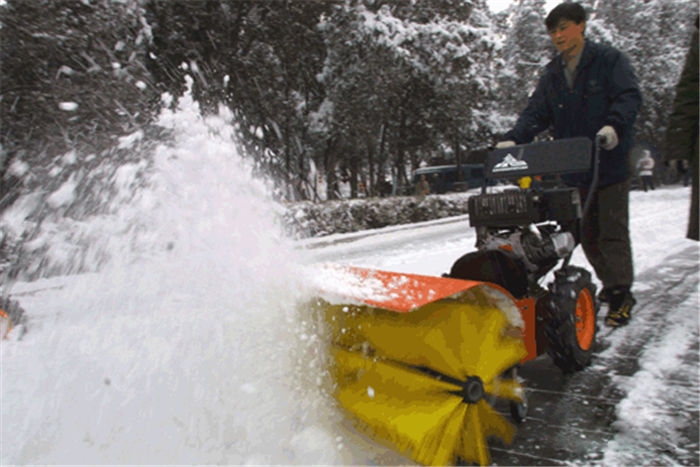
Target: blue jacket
[(605, 92)]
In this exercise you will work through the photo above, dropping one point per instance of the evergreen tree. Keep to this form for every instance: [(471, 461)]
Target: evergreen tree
[(357, 90), (526, 50), (258, 58), (654, 34), (417, 72)]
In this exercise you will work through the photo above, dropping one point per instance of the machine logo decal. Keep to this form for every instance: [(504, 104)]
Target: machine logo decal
[(510, 163)]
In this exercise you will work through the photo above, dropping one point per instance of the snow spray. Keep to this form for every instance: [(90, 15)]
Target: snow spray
[(180, 347)]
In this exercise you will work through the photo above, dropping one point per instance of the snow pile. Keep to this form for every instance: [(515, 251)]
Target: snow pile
[(649, 415)]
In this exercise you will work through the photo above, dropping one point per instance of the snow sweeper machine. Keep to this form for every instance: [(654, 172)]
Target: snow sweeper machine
[(419, 362)]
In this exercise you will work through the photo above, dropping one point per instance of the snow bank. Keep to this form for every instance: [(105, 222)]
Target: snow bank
[(306, 219)]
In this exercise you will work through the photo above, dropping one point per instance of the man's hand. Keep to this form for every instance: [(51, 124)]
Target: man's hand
[(505, 144), (608, 137)]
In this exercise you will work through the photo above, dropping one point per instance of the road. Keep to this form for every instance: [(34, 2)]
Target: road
[(573, 419)]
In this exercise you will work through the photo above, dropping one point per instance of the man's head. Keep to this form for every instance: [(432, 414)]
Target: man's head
[(566, 24)]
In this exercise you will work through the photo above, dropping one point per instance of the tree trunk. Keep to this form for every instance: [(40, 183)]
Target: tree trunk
[(329, 166), (371, 182)]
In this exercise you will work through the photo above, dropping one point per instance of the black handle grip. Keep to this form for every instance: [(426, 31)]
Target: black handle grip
[(601, 140)]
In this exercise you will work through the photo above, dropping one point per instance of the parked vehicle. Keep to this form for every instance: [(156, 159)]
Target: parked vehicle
[(447, 178)]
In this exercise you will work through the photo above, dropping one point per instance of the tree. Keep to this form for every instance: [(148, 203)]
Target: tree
[(655, 35), (417, 70), (258, 58), (526, 50)]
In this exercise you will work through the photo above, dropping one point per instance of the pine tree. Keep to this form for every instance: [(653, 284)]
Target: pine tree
[(526, 50), (654, 34)]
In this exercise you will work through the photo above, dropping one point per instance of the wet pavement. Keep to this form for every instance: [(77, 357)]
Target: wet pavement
[(573, 419)]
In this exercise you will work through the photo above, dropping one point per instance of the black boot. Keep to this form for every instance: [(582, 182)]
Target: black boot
[(621, 303)]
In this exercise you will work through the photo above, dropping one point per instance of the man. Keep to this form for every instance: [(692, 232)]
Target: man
[(645, 166), (591, 90)]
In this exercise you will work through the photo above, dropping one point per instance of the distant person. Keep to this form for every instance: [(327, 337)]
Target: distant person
[(422, 187), (645, 166), (682, 135), (591, 90), (385, 188), (685, 171)]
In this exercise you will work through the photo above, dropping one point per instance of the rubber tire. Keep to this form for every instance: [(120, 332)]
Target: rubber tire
[(563, 344)]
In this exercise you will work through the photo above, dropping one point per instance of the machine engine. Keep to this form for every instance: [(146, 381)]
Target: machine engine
[(538, 248)]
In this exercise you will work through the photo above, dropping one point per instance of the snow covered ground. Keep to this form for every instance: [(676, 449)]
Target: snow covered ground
[(188, 347)]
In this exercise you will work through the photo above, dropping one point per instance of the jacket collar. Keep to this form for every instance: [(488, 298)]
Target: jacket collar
[(587, 53)]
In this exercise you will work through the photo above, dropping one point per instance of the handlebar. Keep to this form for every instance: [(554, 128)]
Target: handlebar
[(599, 141)]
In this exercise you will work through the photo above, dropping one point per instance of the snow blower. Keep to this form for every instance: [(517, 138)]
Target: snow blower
[(420, 362)]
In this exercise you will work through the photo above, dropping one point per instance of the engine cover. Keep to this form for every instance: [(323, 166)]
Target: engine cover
[(514, 208)]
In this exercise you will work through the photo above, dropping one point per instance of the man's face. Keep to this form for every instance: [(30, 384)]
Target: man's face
[(567, 37)]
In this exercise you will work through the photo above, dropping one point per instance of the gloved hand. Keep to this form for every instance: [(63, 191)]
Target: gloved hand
[(505, 144), (608, 137)]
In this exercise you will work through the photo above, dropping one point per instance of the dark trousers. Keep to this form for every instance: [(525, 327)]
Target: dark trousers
[(647, 182), (605, 236)]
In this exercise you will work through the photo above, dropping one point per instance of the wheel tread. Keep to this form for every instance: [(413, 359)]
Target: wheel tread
[(563, 346)]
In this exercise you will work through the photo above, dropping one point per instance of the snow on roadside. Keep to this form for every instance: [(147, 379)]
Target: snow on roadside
[(663, 391), (660, 394)]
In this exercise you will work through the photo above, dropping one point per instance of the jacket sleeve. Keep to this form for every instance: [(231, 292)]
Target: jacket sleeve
[(625, 96), (535, 118)]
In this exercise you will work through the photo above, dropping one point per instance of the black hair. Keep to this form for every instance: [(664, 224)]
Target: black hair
[(569, 11)]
